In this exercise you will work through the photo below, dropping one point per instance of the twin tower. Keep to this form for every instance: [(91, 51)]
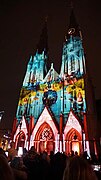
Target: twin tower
[(55, 110)]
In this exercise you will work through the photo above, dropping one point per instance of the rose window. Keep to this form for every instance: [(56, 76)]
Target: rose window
[(46, 134)]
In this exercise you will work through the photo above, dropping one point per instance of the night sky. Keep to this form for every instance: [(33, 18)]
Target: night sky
[(21, 22)]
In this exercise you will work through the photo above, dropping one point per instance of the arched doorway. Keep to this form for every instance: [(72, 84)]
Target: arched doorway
[(44, 139), (73, 141), (20, 139)]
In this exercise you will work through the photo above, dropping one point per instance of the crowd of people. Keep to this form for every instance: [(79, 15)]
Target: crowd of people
[(56, 166)]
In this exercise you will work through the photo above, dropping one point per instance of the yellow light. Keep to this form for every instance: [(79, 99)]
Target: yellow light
[(75, 146)]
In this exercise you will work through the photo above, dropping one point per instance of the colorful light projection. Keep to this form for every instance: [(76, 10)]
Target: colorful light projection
[(60, 92), (74, 97), (73, 71), (77, 91)]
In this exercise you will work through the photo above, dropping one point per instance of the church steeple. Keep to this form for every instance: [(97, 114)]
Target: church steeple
[(73, 66), (43, 41), (35, 74), (36, 68), (73, 28), (73, 61)]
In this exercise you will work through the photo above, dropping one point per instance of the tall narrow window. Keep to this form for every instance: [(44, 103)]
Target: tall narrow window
[(72, 64)]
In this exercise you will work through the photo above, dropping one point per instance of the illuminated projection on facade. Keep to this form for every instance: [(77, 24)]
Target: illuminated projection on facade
[(52, 104)]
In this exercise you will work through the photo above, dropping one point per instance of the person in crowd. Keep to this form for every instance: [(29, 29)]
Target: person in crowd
[(78, 168), (38, 165), (57, 166), (2, 152), (12, 152), (72, 153), (45, 156), (19, 170), (32, 162), (51, 154), (76, 153), (44, 165), (6, 172)]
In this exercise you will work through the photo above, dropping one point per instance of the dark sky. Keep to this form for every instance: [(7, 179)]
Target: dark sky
[(21, 22)]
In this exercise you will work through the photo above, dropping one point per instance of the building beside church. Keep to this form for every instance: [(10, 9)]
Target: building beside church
[(55, 110)]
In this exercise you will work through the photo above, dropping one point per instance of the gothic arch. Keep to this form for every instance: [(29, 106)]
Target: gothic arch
[(45, 118), (20, 139), (73, 141), (41, 130), (44, 138), (72, 132)]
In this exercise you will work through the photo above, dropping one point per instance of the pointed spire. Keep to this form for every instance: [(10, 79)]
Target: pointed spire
[(43, 41), (73, 23), (73, 28)]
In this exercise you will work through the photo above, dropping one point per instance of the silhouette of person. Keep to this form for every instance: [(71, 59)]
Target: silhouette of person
[(78, 168), (6, 172)]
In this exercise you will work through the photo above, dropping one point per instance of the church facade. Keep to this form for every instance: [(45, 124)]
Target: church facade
[(52, 112)]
